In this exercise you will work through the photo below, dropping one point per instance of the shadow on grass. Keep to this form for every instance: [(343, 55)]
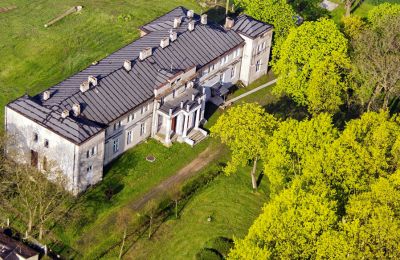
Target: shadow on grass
[(286, 108)]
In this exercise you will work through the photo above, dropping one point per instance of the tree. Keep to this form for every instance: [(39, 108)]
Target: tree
[(293, 146), (151, 210), (245, 129), (382, 12), (353, 26), (376, 57), (28, 194), (125, 216), (312, 66), (276, 12), (289, 226), (175, 193)]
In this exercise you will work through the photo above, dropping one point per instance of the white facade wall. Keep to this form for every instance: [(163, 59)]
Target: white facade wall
[(60, 151)]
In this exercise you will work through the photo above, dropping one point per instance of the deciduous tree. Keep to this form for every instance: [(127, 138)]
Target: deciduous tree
[(312, 66), (245, 129)]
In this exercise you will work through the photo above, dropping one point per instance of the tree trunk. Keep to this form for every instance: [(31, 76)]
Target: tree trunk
[(151, 222), (40, 232), (122, 246), (176, 209), (253, 174)]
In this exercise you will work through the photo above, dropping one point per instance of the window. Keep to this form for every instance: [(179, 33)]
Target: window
[(45, 164), (205, 71), (258, 65), (35, 137), (91, 152), (117, 125), (46, 143), (129, 137), (116, 145), (89, 169), (222, 78), (233, 72), (173, 93), (142, 128)]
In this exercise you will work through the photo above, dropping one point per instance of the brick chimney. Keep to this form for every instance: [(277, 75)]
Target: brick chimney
[(46, 95), (204, 19), (76, 108), (164, 42), (145, 53), (92, 80), (65, 113), (229, 23), (190, 14), (84, 86), (191, 26), (177, 22), (172, 36), (127, 65)]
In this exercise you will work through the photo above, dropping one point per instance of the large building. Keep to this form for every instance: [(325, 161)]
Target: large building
[(157, 86)]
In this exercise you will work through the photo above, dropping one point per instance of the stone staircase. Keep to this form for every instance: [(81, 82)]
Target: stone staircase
[(197, 136)]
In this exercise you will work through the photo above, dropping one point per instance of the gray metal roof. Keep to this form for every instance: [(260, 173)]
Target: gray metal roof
[(186, 100), (119, 91), (250, 27)]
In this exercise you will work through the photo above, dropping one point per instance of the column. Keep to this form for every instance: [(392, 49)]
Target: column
[(168, 131), (197, 122), (185, 125)]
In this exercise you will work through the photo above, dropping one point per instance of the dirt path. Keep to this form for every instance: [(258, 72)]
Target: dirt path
[(203, 159)]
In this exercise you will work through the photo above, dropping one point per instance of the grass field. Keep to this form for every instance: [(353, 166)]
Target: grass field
[(233, 207), (34, 58)]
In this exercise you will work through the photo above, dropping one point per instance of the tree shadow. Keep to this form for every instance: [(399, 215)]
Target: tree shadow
[(259, 179), (285, 108)]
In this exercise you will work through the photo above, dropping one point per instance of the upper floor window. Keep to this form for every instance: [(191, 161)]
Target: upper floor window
[(258, 65), (35, 137), (91, 152), (233, 72), (142, 128), (236, 53), (89, 169), (46, 143), (117, 125), (205, 71)]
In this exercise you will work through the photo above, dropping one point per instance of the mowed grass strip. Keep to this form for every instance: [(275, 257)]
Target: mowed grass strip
[(33, 58)]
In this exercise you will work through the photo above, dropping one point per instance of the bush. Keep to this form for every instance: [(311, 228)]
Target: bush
[(220, 244), (208, 254), (203, 179)]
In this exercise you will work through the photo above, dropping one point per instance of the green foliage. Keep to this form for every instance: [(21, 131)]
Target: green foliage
[(384, 11), (353, 26), (339, 192), (312, 66), (245, 129), (221, 244), (208, 254), (276, 12)]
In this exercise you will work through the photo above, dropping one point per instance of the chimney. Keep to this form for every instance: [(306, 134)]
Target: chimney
[(92, 80), (190, 84), (127, 65), (84, 86), (181, 104), (170, 111), (188, 107), (46, 95), (65, 113), (145, 53), (193, 96), (190, 14), (229, 22), (204, 19), (173, 36), (177, 22), (191, 26), (76, 108), (164, 42)]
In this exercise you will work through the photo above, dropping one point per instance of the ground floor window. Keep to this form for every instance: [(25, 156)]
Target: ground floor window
[(142, 128), (258, 65), (116, 145), (129, 137)]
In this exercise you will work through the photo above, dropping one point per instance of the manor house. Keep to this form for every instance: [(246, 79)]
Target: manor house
[(157, 86)]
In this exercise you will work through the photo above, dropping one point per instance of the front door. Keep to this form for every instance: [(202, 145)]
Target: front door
[(173, 124), (34, 158)]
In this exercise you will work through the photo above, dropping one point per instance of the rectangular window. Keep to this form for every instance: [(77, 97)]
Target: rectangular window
[(142, 110), (233, 72), (205, 71), (89, 169), (142, 128), (173, 93), (117, 125), (46, 143), (35, 137), (258, 65), (91, 152), (129, 137), (116, 145), (45, 165)]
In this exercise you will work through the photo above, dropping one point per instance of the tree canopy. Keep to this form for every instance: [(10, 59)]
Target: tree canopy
[(312, 66), (245, 129)]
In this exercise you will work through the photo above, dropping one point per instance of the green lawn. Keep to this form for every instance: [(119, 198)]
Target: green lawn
[(361, 10), (34, 58), (233, 207)]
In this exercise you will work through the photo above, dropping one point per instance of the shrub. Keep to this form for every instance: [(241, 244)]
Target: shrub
[(220, 244), (208, 254)]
